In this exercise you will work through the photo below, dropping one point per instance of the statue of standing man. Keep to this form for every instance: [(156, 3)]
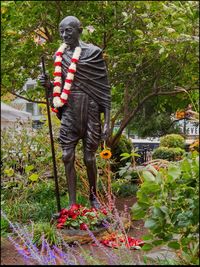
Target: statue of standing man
[(81, 92)]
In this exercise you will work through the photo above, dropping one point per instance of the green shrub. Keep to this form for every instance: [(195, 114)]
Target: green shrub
[(172, 140), (37, 202), (171, 154), (124, 146), (46, 230), (5, 228), (124, 188), (168, 201)]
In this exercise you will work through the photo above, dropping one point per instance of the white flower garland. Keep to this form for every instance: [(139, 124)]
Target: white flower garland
[(59, 99)]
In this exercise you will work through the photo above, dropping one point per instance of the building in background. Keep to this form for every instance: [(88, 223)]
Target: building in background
[(30, 107), (11, 117)]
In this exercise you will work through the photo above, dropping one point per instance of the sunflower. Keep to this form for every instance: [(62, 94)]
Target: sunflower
[(105, 154)]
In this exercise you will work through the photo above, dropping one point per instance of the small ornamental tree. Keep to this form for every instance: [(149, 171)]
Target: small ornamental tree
[(171, 148), (172, 140), (168, 201)]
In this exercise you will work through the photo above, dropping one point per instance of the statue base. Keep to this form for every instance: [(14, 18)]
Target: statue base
[(83, 237)]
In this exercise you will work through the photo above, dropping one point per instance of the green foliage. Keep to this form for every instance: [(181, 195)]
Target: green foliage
[(30, 158), (5, 228), (171, 148), (172, 140), (124, 188), (168, 201), (171, 154), (128, 172), (124, 146), (45, 230), (36, 202), (162, 123), (161, 51)]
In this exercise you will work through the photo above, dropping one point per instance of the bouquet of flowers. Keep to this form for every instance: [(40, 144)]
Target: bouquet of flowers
[(79, 217)]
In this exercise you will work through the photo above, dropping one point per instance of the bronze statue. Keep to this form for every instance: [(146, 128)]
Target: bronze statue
[(80, 111)]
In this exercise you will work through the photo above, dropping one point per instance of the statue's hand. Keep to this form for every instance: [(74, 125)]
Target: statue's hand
[(44, 80), (105, 132)]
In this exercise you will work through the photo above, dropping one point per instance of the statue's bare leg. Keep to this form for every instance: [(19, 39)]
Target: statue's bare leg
[(68, 159), (90, 162)]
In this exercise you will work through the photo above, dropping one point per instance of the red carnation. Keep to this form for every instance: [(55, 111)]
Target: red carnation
[(56, 94), (71, 70), (57, 63), (74, 216), (68, 81), (75, 207), (62, 220), (84, 212), (63, 100), (75, 60), (83, 226), (66, 91), (57, 84), (104, 211), (57, 74), (54, 110), (71, 213), (64, 212), (60, 226), (59, 53)]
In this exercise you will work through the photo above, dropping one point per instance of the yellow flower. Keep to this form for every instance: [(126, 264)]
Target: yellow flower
[(180, 114), (105, 154)]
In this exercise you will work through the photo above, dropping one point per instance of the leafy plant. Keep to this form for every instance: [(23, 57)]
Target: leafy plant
[(171, 154), (45, 230), (124, 188), (172, 140), (79, 217), (168, 201), (124, 146)]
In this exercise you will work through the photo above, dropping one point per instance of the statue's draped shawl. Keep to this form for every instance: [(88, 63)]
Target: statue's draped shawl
[(91, 75)]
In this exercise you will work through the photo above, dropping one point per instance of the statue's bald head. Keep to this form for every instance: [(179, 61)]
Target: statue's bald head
[(70, 29), (71, 21)]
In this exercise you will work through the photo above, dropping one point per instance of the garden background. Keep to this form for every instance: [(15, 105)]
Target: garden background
[(152, 52)]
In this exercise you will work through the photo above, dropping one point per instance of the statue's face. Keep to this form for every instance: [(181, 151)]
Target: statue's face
[(69, 33)]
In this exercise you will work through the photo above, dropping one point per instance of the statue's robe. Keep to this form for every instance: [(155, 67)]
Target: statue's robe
[(91, 75), (90, 96)]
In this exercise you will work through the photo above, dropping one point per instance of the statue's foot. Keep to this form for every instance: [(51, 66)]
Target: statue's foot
[(95, 204)]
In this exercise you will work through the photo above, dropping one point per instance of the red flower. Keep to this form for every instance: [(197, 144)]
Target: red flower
[(64, 212), (54, 110), (112, 242), (60, 226), (84, 211), (57, 84), (75, 207), (63, 100), (59, 74), (74, 60), (56, 94), (104, 211), (62, 219), (57, 64), (83, 226), (59, 53), (74, 216)]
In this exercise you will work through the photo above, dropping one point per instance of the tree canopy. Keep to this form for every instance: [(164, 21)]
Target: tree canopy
[(151, 49)]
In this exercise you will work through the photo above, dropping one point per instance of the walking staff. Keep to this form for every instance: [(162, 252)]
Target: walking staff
[(52, 141)]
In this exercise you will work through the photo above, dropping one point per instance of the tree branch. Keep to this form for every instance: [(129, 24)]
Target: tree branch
[(29, 100), (113, 141)]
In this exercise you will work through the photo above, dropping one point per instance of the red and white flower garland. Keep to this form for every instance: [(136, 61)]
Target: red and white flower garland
[(59, 99)]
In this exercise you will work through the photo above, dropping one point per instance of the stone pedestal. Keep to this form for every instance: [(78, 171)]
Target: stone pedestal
[(82, 236)]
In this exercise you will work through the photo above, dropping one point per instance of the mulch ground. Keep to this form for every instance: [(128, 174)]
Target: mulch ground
[(9, 255)]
